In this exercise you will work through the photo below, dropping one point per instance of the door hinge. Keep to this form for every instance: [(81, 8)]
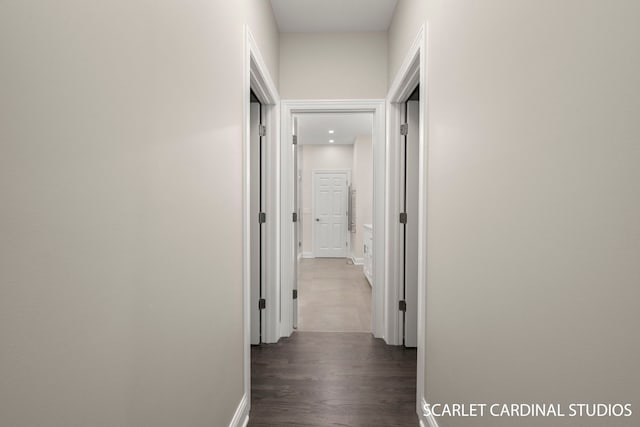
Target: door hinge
[(295, 139), (262, 304), (402, 305), (295, 294), (403, 217), (294, 217), (262, 218), (262, 130), (404, 129)]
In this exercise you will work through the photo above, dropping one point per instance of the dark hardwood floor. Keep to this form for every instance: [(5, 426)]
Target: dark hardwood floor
[(333, 379)]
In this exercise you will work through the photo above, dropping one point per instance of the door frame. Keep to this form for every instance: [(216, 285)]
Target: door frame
[(315, 172), (256, 76), (287, 266), (412, 72)]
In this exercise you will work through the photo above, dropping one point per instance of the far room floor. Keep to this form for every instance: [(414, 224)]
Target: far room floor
[(333, 296)]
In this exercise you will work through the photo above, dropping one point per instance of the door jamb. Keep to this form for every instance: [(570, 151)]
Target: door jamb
[(314, 172), (412, 72), (289, 108), (256, 76)]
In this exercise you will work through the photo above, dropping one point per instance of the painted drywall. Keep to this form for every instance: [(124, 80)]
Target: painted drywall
[(533, 203), (318, 157), (333, 65), (121, 183), (408, 16), (362, 182), (262, 24)]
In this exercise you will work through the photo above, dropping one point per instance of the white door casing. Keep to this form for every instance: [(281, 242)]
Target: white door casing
[(288, 257), (411, 73), (256, 77), (329, 213)]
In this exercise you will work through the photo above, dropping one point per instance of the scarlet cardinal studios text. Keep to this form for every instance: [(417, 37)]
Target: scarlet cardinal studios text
[(528, 410)]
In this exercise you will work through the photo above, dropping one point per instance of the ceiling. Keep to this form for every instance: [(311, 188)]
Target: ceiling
[(313, 128), (319, 16)]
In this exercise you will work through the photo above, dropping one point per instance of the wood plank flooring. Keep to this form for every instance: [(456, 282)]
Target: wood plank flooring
[(333, 379)]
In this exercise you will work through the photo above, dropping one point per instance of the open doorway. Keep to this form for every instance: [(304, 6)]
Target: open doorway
[(295, 248), (334, 194)]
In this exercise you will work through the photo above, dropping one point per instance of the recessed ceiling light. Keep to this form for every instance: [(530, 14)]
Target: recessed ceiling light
[(331, 141), (331, 131)]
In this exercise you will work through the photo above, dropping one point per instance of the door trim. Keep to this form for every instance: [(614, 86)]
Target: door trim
[(289, 108), (314, 172), (256, 76), (412, 72), (263, 86)]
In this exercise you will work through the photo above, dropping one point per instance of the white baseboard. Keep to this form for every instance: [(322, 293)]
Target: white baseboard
[(357, 261), (241, 417), (307, 255), (429, 421)]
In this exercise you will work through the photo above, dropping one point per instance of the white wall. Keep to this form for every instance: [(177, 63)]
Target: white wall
[(333, 65), (533, 202), (120, 179), (362, 181), (318, 157)]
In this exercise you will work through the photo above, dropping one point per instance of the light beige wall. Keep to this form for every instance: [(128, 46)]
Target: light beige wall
[(362, 181), (333, 65), (262, 24), (318, 157), (120, 179), (534, 200), (408, 16)]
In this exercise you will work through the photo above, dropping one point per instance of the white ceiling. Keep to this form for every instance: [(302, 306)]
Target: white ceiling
[(319, 16), (313, 128)]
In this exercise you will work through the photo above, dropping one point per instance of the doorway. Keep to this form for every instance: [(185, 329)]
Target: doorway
[(333, 192), (296, 250), (407, 121)]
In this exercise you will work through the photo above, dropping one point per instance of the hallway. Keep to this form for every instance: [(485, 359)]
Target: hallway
[(333, 296), (332, 379), (479, 158)]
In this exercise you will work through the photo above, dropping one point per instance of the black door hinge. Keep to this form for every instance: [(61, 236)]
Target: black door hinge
[(262, 218), (295, 140), (295, 217), (295, 294), (403, 217), (404, 129), (402, 305), (262, 304)]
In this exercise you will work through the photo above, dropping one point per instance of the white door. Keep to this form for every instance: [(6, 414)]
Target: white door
[(409, 197), (297, 176), (330, 214), (257, 170)]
